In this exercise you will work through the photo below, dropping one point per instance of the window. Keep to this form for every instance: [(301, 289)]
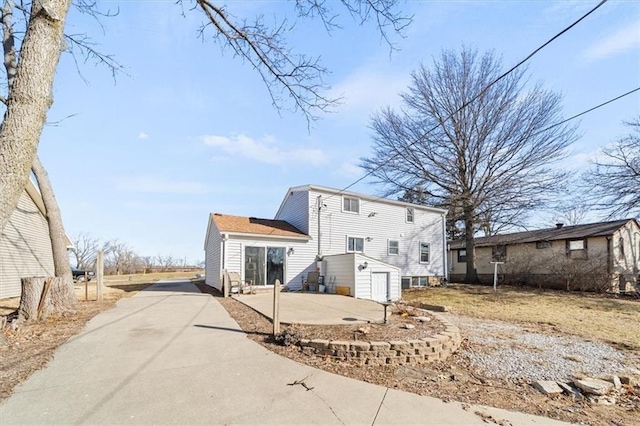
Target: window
[(392, 247), (621, 247), (462, 256), (355, 245), (424, 252), (499, 253), (406, 282), (409, 214), (419, 281), (350, 205), (543, 244), (577, 249)]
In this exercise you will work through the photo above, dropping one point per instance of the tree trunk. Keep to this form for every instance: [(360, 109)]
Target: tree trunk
[(63, 295), (471, 276), (29, 100), (40, 298)]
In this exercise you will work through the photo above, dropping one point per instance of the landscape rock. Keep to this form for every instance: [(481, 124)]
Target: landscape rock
[(422, 319), (594, 386), (628, 380), (547, 387), (409, 326), (615, 380), (571, 391)]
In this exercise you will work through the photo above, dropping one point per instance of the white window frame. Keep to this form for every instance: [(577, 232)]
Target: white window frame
[(355, 238), (420, 251), (389, 247), (410, 211), (351, 200)]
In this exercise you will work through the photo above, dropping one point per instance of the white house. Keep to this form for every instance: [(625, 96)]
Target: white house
[(364, 246), (25, 245)]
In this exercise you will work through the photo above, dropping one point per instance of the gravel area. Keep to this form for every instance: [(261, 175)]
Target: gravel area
[(507, 351)]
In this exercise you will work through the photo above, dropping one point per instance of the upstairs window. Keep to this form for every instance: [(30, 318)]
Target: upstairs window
[(409, 214), (499, 253), (621, 247), (462, 256), (350, 205), (424, 252), (355, 245), (393, 247)]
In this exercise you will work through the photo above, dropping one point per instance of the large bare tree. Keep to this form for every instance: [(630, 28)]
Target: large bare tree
[(484, 151), (614, 182)]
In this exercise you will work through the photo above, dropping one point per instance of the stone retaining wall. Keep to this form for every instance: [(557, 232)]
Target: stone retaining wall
[(420, 351)]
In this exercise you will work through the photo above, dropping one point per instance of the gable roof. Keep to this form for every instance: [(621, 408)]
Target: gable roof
[(241, 225), (598, 229), (370, 198)]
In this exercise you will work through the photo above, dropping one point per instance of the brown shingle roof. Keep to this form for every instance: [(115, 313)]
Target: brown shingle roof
[(598, 229), (253, 225)]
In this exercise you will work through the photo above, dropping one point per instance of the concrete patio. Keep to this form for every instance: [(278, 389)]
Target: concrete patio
[(316, 308)]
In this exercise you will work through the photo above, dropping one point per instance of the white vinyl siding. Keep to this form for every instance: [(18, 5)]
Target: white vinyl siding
[(295, 210), (388, 223), (213, 258), (25, 247)]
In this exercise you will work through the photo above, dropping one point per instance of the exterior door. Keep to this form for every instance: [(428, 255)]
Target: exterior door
[(380, 286), (264, 265)]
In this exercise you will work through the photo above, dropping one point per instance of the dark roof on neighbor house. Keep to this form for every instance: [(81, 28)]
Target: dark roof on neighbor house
[(599, 229), (253, 225)]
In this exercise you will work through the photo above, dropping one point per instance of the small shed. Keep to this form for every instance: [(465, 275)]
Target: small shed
[(361, 276)]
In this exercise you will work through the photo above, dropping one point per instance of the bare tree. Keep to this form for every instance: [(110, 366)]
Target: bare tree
[(165, 262), (85, 249), (614, 183), (482, 151), (286, 74)]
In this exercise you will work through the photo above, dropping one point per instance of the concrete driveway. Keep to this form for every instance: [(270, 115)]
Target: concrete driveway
[(171, 355), (316, 308)]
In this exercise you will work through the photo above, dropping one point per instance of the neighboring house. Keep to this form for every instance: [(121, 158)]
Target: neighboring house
[(595, 256), (365, 246), (25, 246)]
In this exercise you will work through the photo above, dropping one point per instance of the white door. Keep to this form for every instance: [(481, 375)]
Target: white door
[(379, 286)]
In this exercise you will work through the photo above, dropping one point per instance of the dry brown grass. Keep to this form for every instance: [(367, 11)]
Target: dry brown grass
[(591, 316)]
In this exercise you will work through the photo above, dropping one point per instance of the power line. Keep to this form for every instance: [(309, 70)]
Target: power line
[(478, 95)]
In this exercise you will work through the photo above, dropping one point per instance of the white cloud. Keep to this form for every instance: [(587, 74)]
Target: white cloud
[(349, 171), (265, 150), (143, 135), (625, 39), (154, 185), (370, 90)]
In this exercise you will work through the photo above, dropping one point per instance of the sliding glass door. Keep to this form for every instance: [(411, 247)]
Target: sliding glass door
[(264, 265)]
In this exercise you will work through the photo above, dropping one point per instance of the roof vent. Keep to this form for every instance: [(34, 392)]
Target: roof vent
[(559, 225)]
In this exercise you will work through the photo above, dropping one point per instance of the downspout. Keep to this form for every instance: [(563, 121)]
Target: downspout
[(444, 246), (225, 237), (319, 256)]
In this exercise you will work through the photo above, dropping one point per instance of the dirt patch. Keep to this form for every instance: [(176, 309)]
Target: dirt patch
[(455, 379)]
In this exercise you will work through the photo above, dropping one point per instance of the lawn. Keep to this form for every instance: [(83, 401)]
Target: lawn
[(587, 315)]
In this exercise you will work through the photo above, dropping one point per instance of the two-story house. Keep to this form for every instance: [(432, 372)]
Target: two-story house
[(364, 246)]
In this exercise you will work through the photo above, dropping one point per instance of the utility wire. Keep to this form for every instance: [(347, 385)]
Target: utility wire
[(481, 93)]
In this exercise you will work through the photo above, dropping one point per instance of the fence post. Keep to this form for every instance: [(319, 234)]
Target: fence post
[(225, 283), (100, 274)]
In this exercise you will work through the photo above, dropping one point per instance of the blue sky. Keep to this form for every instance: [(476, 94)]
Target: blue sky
[(190, 131)]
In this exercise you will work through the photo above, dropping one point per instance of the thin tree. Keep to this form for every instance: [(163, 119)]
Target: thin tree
[(484, 152), (614, 182)]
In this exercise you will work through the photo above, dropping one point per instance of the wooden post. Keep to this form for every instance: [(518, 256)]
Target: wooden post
[(86, 286), (100, 274), (276, 308), (226, 282)]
